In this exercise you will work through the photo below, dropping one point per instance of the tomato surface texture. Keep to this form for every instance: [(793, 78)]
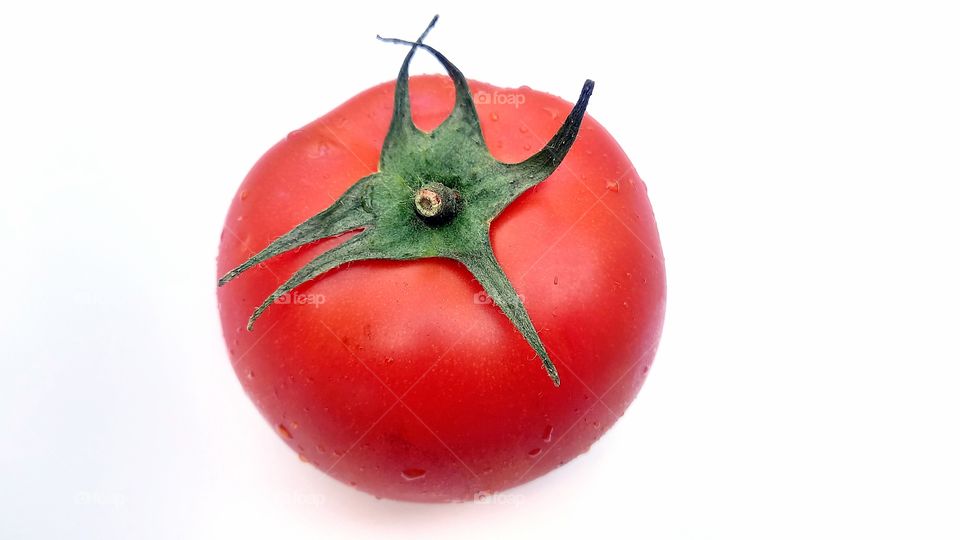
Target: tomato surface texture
[(402, 378)]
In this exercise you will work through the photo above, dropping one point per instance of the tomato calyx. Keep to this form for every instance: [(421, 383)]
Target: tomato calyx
[(435, 195)]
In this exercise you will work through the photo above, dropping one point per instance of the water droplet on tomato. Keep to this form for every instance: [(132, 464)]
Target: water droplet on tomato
[(295, 134), (283, 431), (547, 433), (494, 116), (556, 280), (613, 186), (250, 374), (524, 128), (318, 150), (526, 147), (413, 473), (303, 458), (243, 195), (534, 453), (338, 453)]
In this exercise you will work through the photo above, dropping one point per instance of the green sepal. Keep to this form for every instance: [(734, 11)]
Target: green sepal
[(381, 205)]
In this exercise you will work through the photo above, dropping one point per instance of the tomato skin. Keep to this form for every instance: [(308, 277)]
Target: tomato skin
[(399, 377)]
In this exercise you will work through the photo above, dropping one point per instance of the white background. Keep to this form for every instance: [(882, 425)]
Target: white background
[(802, 161)]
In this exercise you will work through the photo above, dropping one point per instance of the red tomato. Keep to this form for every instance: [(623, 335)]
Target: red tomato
[(402, 378)]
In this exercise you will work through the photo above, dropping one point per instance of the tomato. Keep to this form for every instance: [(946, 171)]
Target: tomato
[(402, 377)]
